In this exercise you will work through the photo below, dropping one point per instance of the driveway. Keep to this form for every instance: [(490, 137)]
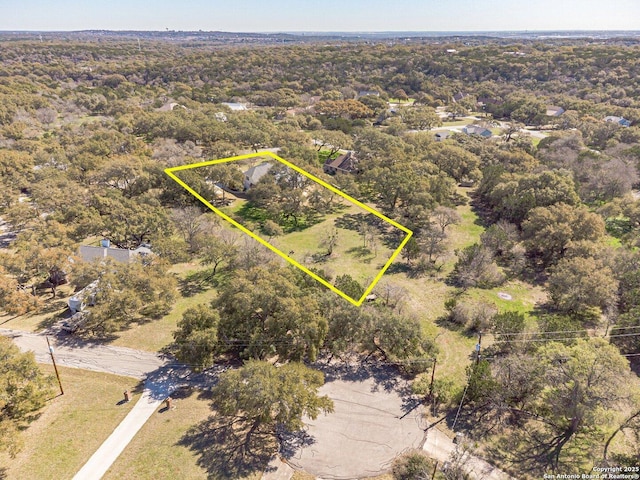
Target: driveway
[(375, 419)]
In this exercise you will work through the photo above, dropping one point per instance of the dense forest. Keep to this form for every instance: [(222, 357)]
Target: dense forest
[(88, 127)]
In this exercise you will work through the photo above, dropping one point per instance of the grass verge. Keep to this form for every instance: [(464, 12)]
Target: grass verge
[(154, 452), (72, 426)]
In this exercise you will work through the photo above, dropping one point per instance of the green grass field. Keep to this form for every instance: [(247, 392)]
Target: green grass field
[(457, 123), (155, 453), (349, 256), (153, 336), (72, 426)]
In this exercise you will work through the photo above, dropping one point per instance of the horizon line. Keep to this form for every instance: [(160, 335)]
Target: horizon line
[(317, 31)]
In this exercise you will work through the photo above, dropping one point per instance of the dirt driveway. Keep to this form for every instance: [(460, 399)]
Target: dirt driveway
[(375, 419)]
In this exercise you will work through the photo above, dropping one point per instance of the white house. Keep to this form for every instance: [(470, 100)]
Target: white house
[(85, 297), (554, 111)]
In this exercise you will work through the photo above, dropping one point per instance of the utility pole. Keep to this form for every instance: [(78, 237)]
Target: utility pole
[(478, 346), (55, 367), (433, 373), (435, 468)]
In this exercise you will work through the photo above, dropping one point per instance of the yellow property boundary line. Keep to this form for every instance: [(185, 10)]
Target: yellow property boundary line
[(357, 303)]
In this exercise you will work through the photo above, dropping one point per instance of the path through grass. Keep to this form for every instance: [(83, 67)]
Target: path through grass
[(72, 426), (154, 452)]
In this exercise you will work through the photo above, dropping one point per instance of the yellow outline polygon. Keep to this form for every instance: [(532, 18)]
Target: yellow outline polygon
[(357, 303)]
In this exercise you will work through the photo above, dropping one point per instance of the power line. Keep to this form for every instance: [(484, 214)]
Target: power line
[(556, 339), (561, 331)]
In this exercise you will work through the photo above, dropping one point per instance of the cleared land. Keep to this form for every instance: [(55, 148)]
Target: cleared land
[(330, 233)]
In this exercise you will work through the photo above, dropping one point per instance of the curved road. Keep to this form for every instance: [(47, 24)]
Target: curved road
[(376, 404)]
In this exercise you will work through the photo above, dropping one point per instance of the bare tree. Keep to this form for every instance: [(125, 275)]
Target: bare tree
[(190, 222), (445, 216)]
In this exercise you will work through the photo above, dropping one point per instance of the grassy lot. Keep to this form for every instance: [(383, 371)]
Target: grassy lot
[(457, 123), (426, 296), (155, 453), (154, 335), (524, 296), (403, 102), (535, 141), (348, 256), (469, 230), (72, 426)]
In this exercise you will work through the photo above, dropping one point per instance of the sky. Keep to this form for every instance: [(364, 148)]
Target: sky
[(320, 15)]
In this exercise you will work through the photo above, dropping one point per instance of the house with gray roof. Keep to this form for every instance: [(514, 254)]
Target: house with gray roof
[(443, 135), (254, 174), (90, 253), (235, 107), (623, 122), (554, 111), (477, 130)]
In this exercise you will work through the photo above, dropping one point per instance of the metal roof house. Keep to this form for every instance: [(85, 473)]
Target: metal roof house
[(83, 298), (443, 135), (235, 107), (123, 255)]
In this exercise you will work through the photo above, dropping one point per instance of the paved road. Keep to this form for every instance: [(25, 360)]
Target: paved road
[(69, 352), (374, 420)]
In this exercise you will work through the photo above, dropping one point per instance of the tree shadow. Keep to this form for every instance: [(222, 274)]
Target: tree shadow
[(352, 221), (392, 236), (292, 442), (528, 451), (198, 282), (445, 322), (399, 268), (361, 252), (49, 322), (222, 453), (9, 319), (385, 377), (78, 339)]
